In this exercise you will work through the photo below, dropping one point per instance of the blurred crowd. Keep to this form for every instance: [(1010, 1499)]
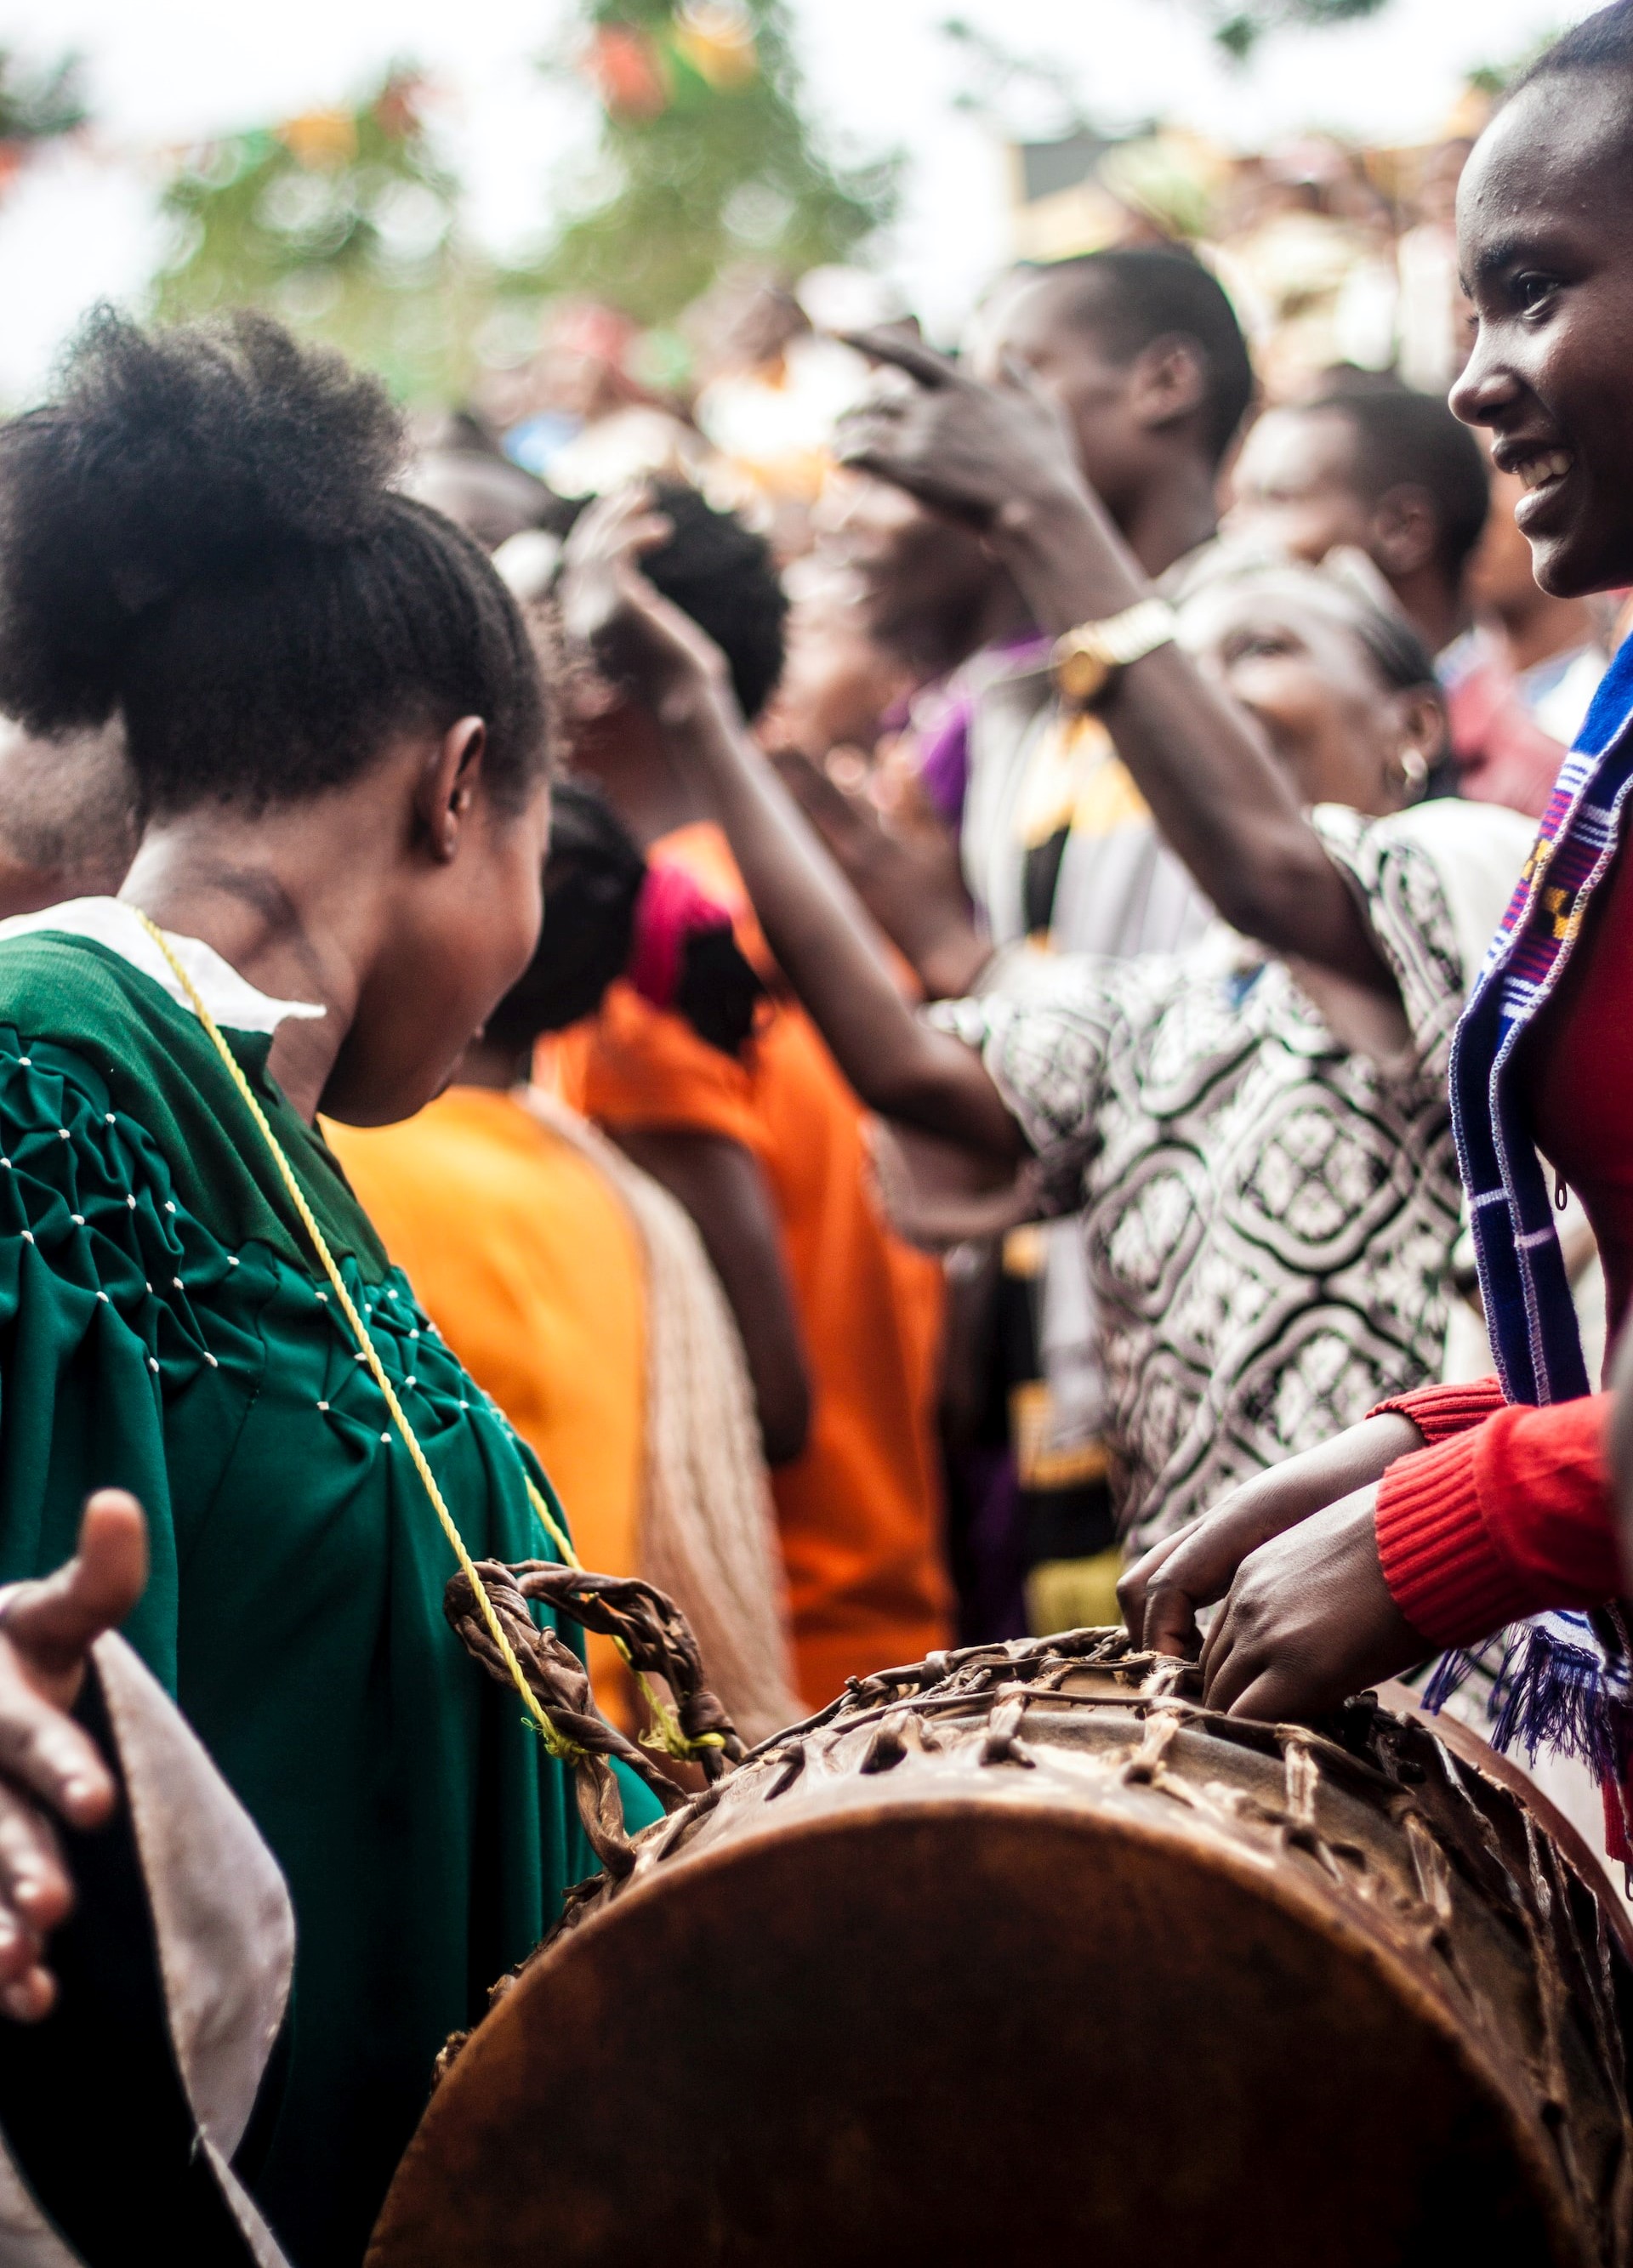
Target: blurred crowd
[(1333, 255), (953, 1445), (823, 978)]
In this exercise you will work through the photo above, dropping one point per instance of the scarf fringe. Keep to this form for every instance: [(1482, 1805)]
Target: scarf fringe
[(1555, 1688)]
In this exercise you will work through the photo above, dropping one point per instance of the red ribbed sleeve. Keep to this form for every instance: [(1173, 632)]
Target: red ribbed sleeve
[(1439, 1411), (1491, 1524)]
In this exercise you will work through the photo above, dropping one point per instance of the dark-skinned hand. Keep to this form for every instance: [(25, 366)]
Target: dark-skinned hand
[(1160, 1594), (647, 646), (1309, 1620), (971, 451), (47, 1764)]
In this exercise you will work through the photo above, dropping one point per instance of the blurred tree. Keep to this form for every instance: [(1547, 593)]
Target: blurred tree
[(706, 156), (1239, 24), (35, 106), (1026, 98), (343, 222)]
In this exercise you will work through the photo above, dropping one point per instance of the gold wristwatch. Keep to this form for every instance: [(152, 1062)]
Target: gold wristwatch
[(1085, 660)]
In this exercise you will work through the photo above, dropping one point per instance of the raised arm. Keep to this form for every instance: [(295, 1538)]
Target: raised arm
[(811, 917), (910, 885), (1000, 458)]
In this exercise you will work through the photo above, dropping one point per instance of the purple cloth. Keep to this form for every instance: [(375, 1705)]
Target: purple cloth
[(944, 752), (944, 759), (988, 1543)]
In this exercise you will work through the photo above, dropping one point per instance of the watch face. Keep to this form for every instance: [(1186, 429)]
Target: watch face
[(1080, 676)]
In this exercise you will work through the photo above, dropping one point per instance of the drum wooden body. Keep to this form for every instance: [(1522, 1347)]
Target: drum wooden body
[(1021, 1948)]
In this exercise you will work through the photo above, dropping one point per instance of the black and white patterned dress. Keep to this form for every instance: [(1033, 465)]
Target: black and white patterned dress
[(1268, 1216)]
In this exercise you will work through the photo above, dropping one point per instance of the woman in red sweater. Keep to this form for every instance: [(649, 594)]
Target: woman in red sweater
[(1456, 1510)]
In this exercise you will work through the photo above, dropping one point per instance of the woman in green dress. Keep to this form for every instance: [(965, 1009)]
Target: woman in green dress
[(337, 724)]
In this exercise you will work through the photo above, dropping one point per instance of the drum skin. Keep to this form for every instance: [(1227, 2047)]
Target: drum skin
[(1024, 1948)]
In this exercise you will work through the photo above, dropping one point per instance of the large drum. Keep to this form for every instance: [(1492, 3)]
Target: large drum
[(1022, 1953)]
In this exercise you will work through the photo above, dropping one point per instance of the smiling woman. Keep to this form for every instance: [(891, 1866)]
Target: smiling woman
[(1494, 1501), (1545, 242)]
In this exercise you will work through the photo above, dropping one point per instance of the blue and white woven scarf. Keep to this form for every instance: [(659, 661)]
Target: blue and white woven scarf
[(1557, 1685)]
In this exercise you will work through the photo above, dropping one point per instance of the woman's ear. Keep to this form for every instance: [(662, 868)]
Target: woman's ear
[(449, 786), (1169, 381), (1417, 741)]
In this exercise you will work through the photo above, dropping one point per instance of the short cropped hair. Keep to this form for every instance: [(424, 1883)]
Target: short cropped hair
[(1602, 42), (201, 535), (1398, 655), (722, 574), (1407, 439), (1129, 299)]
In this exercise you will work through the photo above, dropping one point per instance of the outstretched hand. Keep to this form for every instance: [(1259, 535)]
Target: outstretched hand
[(971, 451), (1308, 1618), (638, 637), (47, 1764)]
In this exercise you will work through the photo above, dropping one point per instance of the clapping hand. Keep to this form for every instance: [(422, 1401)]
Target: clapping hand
[(47, 1764)]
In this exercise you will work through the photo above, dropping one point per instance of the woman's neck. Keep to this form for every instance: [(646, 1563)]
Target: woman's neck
[(289, 901)]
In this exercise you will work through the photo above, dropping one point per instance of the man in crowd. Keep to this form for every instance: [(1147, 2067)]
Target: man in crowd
[(1392, 474), (1147, 365), (1377, 469)]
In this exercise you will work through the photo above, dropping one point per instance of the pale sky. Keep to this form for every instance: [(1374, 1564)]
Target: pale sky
[(78, 224)]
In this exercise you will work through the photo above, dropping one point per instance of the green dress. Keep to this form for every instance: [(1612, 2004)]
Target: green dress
[(163, 1327)]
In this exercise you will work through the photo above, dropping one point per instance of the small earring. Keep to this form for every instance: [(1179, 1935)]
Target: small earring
[(1413, 774)]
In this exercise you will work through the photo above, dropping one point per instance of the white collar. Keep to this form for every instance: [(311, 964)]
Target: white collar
[(110, 922)]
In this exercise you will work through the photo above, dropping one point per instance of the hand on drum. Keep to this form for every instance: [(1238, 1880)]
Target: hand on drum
[(46, 1763), (1307, 1618)]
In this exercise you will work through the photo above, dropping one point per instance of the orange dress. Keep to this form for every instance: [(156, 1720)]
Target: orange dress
[(858, 1511), (528, 1265)]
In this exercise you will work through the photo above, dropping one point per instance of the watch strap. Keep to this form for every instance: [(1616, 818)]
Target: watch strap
[(1084, 659)]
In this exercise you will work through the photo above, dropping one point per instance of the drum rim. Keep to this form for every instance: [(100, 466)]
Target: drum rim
[(1411, 1976), (1590, 1869)]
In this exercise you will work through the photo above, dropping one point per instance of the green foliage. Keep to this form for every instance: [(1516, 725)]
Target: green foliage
[(36, 106), (706, 158), (1495, 79), (341, 222), (1238, 29)]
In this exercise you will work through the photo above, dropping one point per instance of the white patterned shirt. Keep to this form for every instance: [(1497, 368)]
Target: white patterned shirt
[(1268, 1216)]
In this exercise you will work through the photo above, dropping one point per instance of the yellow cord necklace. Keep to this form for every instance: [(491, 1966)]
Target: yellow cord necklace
[(667, 1733)]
